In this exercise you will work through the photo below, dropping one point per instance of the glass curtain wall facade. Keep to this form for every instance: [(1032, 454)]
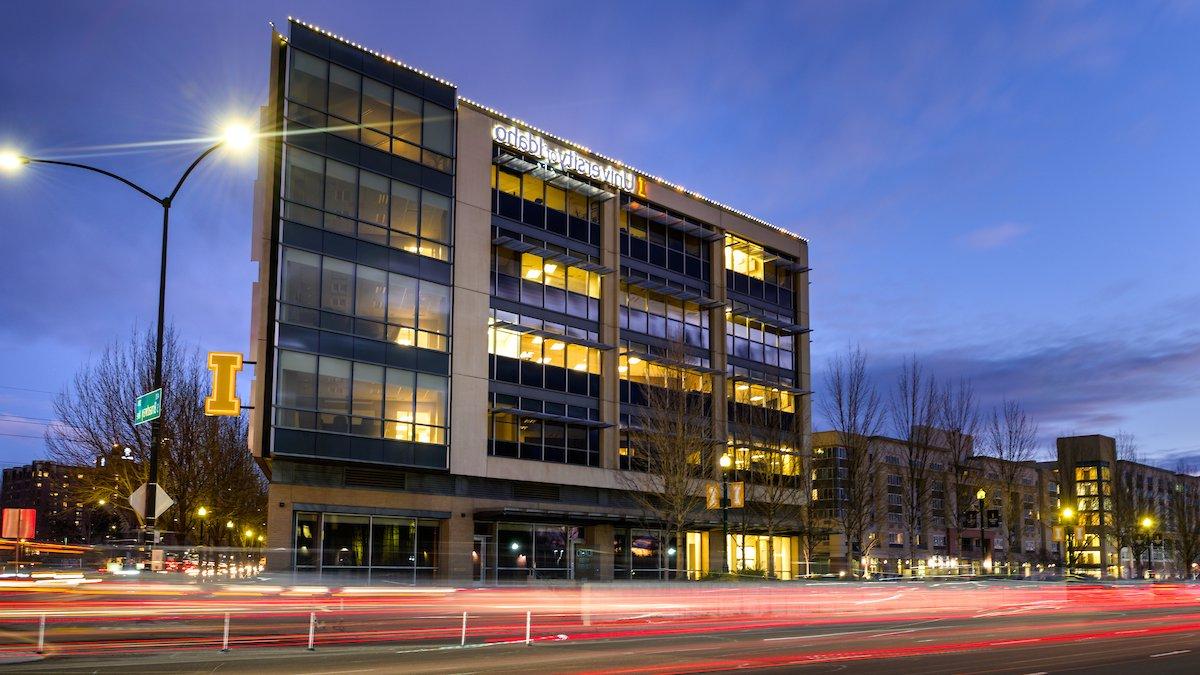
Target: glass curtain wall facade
[(363, 299)]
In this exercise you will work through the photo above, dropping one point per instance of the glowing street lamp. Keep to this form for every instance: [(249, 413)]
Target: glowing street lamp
[(981, 495), (1147, 527), (11, 161), (236, 137), (1067, 515)]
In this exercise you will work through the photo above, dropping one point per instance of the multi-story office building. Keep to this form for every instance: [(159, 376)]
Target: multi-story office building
[(47, 487), (458, 318), (938, 526)]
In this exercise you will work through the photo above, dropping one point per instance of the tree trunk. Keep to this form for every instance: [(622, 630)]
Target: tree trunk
[(770, 554)]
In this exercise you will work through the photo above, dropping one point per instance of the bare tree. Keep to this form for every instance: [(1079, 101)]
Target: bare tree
[(1011, 439), (852, 408), (1184, 505), (1128, 504), (202, 458), (959, 421), (672, 443), (913, 410), (772, 442)]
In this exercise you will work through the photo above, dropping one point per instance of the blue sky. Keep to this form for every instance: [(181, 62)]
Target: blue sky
[(1006, 190)]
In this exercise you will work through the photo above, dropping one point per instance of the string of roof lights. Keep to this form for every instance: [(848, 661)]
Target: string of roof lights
[(559, 139)]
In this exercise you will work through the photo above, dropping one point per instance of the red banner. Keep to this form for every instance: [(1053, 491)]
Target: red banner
[(19, 523)]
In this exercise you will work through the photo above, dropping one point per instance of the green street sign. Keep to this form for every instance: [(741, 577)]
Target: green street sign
[(148, 407)]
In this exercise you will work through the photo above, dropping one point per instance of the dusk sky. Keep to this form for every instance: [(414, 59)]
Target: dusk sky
[(1008, 191)]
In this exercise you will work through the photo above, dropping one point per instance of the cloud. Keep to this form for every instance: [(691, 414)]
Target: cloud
[(987, 238), (1095, 377)]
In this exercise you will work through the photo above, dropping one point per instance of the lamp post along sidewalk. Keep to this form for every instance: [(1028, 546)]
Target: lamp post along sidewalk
[(981, 496), (236, 137), (726, 462)]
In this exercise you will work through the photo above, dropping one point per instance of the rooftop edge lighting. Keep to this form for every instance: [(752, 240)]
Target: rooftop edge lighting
[(559, 139)]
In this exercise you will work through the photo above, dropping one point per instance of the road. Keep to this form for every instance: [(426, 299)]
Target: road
[(979, 628)]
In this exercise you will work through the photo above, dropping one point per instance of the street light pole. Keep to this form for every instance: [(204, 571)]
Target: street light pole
[(1068, 514), (726, 462), (981, 495), (1147, 526), (235, 136)]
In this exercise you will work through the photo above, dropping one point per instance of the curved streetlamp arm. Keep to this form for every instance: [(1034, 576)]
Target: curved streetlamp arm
[(188, 172), (88, 167)]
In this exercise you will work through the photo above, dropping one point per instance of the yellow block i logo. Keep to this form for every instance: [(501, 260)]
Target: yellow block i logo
[(224, 401)]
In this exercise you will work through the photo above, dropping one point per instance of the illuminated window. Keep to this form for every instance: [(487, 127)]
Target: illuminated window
[(529, 199), (366, 205), (541, 360), (389, 306), (743, 257), (763, 396), (533, 280)]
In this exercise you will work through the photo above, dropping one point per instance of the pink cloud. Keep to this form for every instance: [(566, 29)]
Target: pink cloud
[(986, 238)]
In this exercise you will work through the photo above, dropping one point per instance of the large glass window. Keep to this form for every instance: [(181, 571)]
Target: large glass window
[(308, 528), (369, 111), (439, 129), (382, 547), (540, 359), (763, 396), (753, 271), (345, 540), (366, 205), (647, 236), (298, 380), (400, 309), (533, 201), (758, 341), (638, 373), (309, 80), (539, 282), (661, 316), (330, 394), (567, 440), (376, 114)]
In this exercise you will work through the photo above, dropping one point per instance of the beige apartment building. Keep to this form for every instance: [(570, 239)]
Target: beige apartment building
[(940, 526), (457, 322)]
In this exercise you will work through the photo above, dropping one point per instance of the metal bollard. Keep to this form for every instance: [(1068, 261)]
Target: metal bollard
[(312, 629), (528, 616), (225, 639), (463, 642), (42, 635)]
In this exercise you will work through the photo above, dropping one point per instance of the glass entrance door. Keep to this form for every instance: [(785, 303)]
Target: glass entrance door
[(479, 562)]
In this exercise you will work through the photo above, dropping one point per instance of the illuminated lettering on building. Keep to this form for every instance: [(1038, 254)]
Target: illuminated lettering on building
[(567, 160)]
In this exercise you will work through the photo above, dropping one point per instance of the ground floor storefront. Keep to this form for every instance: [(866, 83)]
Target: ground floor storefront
[(356, 545)]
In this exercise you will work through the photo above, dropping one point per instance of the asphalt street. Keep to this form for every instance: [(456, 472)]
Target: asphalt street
[(1019, 639)]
